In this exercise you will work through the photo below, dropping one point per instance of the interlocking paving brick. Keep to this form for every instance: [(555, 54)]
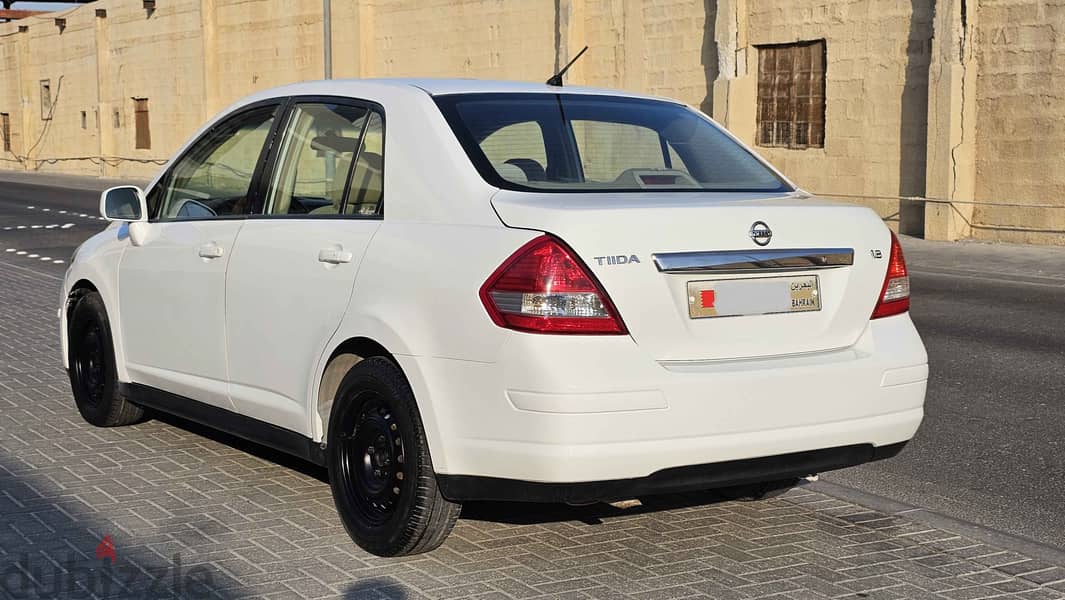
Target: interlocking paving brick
[(198, 514)]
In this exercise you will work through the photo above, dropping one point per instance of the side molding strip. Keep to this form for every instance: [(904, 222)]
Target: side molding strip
[(253, 430)]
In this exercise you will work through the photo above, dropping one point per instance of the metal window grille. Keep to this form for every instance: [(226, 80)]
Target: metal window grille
[(791, 95)]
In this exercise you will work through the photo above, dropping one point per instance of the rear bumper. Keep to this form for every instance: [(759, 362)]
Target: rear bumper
[(462, 488), (582, 410)]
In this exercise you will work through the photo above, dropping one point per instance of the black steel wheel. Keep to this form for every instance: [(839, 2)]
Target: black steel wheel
[(93, 378), (87, 357), (371, 460), (380, 472)]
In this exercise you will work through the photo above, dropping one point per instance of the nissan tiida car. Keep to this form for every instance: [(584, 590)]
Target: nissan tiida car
[(455, 290)]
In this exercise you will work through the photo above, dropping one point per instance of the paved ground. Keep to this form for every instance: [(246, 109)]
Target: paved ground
[(195, 514)]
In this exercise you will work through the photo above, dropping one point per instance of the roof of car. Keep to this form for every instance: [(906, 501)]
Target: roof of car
[(440, 87), (437, 87)]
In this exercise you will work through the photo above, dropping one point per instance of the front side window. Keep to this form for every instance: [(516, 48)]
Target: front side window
[(589, 143), (213, 179)]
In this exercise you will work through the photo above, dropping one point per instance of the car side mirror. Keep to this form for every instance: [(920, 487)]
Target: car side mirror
[(123, 203)]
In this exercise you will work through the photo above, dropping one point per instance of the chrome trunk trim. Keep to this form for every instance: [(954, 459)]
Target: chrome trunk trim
[(754, 261)]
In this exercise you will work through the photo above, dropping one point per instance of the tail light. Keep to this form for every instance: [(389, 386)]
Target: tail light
[(895, 294), (545, 288)]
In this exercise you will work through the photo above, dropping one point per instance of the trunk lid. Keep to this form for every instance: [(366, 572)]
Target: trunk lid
[(618, 237)]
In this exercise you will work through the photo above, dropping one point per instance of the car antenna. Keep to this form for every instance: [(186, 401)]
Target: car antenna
[(556, 79)]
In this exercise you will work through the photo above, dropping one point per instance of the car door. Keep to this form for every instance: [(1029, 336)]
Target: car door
[(292, 272), (172, 286)]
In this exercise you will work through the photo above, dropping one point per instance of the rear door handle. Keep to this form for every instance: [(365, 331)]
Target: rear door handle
[(333, 256), (211, 250)]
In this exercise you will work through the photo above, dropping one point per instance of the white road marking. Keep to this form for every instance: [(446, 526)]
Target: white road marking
[(9, 250), (33, 256), (20, 252), (49, 226), (46, 258), (65, 212), (57, 262)]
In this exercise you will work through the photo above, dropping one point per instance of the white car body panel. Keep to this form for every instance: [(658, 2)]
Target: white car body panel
[(172, 307), (279, 319), (496, 402), (654, 305)]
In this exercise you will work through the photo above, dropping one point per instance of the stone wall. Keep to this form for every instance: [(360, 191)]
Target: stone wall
[(1019, 48), (971, 113), (877, 57)]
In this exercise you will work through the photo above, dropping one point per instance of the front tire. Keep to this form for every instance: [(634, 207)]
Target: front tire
[(380, 472), (93, 377)]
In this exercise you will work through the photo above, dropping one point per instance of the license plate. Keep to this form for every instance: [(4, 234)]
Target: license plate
[(755, 296)]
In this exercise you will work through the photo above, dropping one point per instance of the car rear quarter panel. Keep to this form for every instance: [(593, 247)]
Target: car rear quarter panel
[(416, 294)]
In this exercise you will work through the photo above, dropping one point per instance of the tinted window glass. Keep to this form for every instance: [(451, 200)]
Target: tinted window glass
[(214, 177), (600, 143), (517, 147), (317, 149)]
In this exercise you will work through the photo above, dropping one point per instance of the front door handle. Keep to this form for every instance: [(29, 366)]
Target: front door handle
[(211, 250), (333, 256)]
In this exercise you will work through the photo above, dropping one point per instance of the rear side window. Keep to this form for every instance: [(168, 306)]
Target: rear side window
[(589, 143), (366, 192), (318, 148)]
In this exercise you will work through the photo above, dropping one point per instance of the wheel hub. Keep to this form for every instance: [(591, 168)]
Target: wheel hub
[(89, 364), (372, 461)]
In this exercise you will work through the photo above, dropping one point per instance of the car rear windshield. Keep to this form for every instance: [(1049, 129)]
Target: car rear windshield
[(590, 143)]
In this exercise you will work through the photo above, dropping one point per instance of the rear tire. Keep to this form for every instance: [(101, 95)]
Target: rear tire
[(93, 377), (382, 477)]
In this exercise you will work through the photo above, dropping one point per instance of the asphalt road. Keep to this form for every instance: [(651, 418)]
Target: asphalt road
[(40, 225), (990, 451)]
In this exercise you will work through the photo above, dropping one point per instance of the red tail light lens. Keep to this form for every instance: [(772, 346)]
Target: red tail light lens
[(545, 288), (895, 294)]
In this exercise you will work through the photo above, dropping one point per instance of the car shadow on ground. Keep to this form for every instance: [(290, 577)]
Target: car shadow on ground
[(53, 544), (511, 513)]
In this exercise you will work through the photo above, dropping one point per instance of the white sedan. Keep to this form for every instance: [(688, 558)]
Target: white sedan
[(466, 290)]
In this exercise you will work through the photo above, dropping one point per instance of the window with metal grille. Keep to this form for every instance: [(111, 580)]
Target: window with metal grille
[(141, 124), (5, 130), (791, 95)]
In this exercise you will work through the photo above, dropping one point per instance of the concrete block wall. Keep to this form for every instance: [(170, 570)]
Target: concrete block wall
[(953, 99), (1019, 48), (877, 57)]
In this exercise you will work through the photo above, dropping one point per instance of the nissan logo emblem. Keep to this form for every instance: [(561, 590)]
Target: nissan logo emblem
[(761, 233)]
